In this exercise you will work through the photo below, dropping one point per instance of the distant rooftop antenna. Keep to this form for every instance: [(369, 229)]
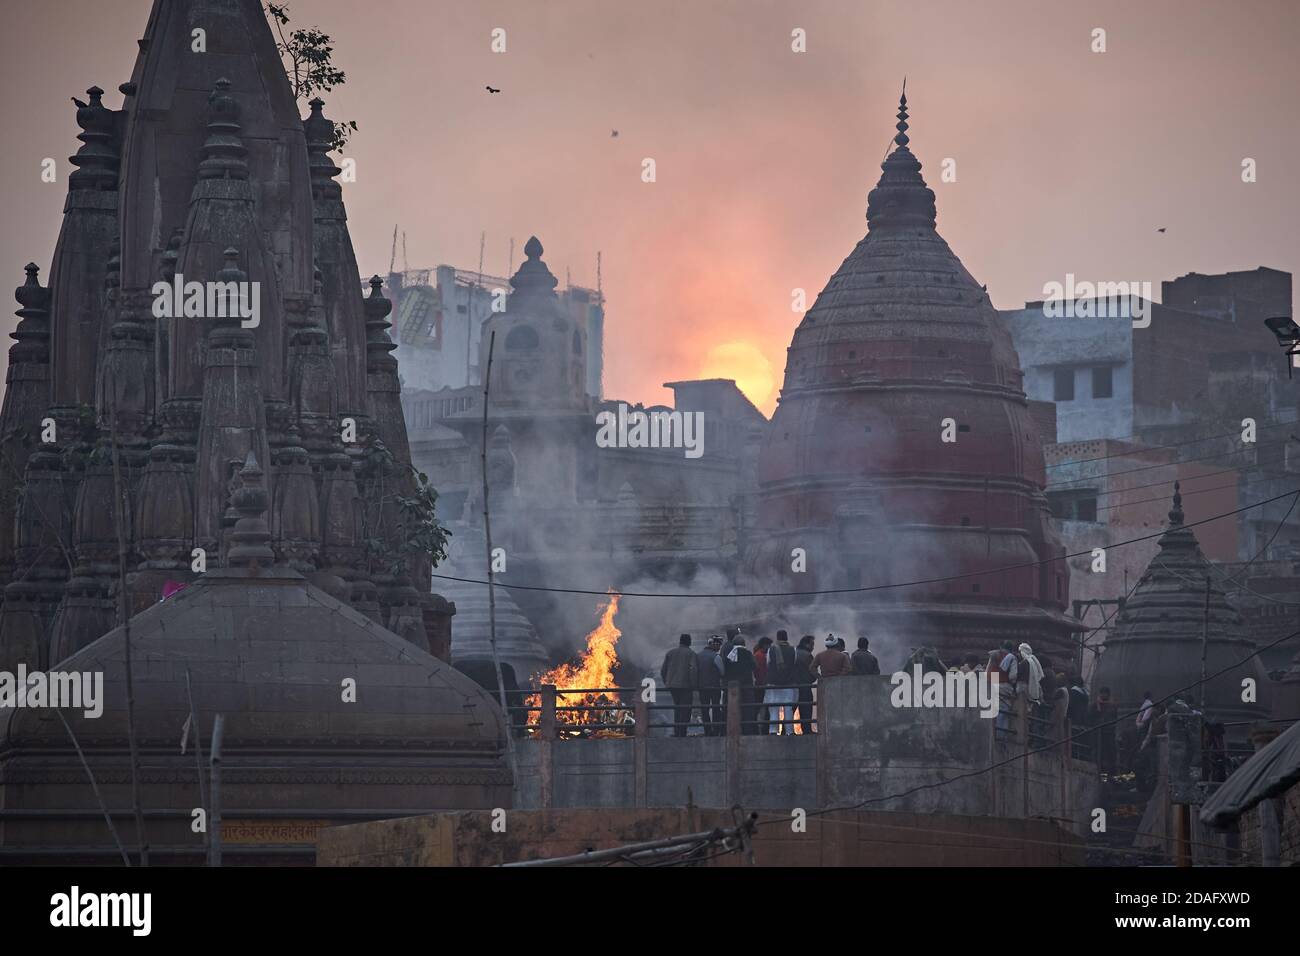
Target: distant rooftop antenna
[(599, 286), (392, 258), (510, 263), (469, 316)]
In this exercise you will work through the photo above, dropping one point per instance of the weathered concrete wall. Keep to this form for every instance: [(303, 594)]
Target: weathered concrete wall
[(1046, 344), (840, 838), (868, 749)]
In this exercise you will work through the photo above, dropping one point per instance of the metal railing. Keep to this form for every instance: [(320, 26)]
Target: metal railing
[(553, 713)]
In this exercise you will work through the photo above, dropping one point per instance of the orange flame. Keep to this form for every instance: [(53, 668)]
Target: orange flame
[(593, 672)]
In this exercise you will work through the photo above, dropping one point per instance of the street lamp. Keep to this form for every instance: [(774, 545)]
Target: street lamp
[(1288, 336)]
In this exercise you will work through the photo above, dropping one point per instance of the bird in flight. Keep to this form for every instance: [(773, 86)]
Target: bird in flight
[(491, 89), (1161, 229), (613, 133)]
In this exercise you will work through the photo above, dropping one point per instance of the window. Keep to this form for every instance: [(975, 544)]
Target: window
[(1103, 382), (1063, 390), (1075, 505)]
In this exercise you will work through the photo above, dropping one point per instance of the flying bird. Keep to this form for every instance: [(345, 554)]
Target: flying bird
[(1161, 229), (613, 133), (491, 90)]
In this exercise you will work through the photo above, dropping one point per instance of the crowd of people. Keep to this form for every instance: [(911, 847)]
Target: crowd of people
[(1053, 697), (775, 680)]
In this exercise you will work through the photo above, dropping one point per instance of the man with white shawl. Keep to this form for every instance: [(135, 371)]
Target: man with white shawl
[(1034, 674)]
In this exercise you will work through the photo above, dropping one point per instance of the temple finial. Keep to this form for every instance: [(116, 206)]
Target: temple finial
[(1176, 514), (251, 537), (901, 139), (533, 275)]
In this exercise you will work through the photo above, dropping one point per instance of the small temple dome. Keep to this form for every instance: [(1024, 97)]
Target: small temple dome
[(1155, 643)]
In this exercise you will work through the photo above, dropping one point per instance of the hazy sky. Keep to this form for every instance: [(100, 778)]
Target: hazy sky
[(1067, 160)]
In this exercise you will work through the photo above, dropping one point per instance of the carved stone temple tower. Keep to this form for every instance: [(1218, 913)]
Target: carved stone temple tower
[(257, 463)]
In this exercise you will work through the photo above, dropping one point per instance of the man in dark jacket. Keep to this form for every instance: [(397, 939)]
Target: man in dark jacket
[(710, 677), (864, 662), (680, 672), (738, 667), (780, 697)]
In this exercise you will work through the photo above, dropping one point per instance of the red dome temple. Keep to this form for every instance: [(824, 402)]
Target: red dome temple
[(902, 350)]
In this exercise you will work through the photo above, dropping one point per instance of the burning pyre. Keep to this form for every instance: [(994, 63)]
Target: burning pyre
[(586, 682)]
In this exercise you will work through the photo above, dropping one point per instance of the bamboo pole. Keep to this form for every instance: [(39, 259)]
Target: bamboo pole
[(94, 786)]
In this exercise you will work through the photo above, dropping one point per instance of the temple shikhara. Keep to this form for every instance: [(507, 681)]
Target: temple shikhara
[(264, 468)]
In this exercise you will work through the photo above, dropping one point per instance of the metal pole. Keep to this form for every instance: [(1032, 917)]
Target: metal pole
[(1205, 642), (492, 594), (214, 819), (1078, 616)]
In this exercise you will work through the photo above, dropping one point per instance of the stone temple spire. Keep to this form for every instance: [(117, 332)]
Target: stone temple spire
[(77, 270), (901, 197), (335, 262), (224, 212), (533, 277), (224, 153), (233, 417), (320, 134), (25, 401), (97, 159), (250, 539), (1176, 512), (901, 126), (540, 357)]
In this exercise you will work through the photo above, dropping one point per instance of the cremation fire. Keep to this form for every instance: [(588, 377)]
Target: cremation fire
[(586, 680)]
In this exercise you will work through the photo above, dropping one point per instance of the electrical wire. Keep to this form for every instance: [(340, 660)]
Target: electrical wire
[(1196, 491)]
